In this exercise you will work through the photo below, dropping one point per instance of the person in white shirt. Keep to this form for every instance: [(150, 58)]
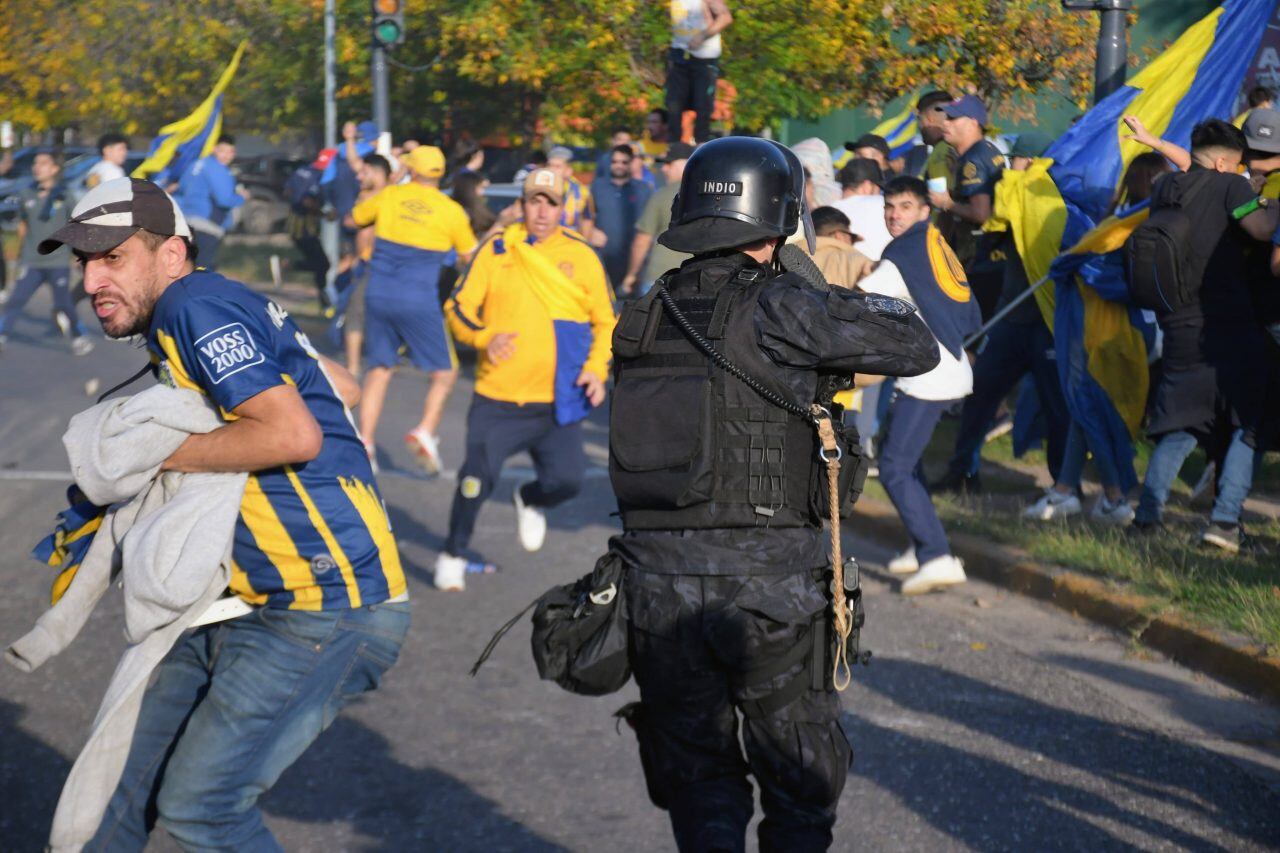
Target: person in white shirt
[(115, 150), (919, 267), (860, 181), (693, 62)]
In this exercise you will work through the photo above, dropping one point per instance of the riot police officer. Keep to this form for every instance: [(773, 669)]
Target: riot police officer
[(718, 487)]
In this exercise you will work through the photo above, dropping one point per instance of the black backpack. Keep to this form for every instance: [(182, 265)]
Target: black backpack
[(1164, 274)]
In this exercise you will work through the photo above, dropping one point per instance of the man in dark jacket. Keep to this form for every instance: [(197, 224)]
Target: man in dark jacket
[(728, 575)]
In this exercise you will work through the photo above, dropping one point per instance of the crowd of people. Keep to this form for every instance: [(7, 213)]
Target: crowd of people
[(919, 305)]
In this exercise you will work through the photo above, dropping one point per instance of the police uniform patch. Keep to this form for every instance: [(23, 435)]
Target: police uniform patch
[(226, 351), (970, 170), (888, 306), (470, 487)]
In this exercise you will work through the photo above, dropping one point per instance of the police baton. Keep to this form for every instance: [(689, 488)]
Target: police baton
[(1004, 312)]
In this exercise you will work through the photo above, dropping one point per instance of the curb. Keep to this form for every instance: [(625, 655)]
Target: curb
[(1224, 656)]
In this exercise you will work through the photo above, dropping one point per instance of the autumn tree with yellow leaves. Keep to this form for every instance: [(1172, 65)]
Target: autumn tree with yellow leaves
[(568, 67)]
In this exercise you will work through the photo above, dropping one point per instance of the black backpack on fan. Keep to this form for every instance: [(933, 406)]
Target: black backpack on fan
[(1164, 275)]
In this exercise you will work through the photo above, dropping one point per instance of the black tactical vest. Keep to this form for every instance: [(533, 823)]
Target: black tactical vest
[(692, 447)]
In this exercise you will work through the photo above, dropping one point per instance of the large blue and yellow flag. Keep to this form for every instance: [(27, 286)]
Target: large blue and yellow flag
[(1059, 212), (181, 143)]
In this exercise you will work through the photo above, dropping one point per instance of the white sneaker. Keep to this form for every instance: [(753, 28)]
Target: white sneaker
[(531, 524), (425, 448), (1105, 512), (1053, 504), (81, 345), (938, 573), (451, 573), (903, 564)]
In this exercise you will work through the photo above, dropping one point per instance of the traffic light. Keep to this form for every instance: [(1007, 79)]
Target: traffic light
[(388, 22)]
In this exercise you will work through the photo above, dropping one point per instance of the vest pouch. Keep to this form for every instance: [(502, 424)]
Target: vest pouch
[(853, 473), (659, 439)]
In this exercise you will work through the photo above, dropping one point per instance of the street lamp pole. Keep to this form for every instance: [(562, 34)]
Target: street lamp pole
[(329, 228), (1113, 46)]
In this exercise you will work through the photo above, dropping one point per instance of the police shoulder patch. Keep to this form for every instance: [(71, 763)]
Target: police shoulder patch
[(888, 306)]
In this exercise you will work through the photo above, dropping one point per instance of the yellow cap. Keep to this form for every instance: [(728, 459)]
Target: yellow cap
[(425, 160)]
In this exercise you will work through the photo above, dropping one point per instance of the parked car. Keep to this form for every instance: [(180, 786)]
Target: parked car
[(500, 196), (264, 177)]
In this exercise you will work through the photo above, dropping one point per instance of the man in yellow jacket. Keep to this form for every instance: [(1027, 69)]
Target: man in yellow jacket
[(536, 306)]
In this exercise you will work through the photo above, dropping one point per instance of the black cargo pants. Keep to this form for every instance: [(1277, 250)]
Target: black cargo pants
[(706, 649)]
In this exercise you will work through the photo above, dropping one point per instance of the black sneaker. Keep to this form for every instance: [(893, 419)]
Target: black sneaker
[(1225, 536), (1145, 529), (958, 482)]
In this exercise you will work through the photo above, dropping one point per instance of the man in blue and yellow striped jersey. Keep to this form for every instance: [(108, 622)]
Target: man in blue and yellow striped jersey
[(325, 608)]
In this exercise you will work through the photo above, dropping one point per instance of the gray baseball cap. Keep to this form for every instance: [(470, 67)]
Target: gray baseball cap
[(1262, 130), (114, 211)]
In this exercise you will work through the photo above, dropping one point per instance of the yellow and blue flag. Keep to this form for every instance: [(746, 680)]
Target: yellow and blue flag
[(570, 308), (899, 130), (64, 549), (180, 144), (1059, 212)]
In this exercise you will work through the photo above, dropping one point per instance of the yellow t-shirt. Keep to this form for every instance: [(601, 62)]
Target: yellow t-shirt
[(417, 216)]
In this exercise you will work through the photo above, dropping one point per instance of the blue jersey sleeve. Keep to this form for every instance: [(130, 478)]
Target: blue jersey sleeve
[(978, 171), (225, 348)]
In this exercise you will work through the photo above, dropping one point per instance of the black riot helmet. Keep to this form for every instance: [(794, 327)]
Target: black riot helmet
[(736, 190)]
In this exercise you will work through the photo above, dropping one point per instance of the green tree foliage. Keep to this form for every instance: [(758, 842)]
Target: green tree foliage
[(570, 68)]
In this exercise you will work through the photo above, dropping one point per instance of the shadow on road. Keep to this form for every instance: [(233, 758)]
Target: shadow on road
[(350, 776), (989, 804), (31, 777), (1227, 718), (409, 529)]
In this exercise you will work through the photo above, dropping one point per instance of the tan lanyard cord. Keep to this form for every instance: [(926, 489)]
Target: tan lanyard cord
[(841, 675)]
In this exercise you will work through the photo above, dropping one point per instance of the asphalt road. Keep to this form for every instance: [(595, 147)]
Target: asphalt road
[(985, 722)]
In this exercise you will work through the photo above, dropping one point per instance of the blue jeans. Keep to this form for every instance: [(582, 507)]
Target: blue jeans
[(26, 286), (230, 708), (498, 430), (1012, 351), (1073, 459), (911, 425), (875, 406), (1234, 481)]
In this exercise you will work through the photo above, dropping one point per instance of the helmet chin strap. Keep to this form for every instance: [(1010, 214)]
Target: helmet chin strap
[(806, 222)]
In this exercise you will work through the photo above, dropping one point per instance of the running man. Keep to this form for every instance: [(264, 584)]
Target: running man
[(415, 227), (374, 175), (234, 703), (43, 209), (536, 307)]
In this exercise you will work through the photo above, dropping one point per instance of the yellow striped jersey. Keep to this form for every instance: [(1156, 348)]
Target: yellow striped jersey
[(313, 536), (577, 205)]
